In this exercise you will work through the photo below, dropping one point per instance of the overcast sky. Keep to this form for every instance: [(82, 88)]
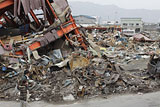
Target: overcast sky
[(128, 4)]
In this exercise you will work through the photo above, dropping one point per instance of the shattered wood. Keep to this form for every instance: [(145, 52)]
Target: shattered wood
[(59, 63)]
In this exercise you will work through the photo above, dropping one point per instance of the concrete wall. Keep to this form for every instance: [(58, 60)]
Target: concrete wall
[(132, 24)]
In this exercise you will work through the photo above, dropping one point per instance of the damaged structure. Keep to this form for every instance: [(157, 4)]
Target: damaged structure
[(57, 15), (62, 62)]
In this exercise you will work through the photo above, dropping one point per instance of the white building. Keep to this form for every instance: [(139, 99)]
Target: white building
[(135, 24), (85, 20)]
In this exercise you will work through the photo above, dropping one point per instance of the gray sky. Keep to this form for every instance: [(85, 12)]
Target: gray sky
[(129, 4)]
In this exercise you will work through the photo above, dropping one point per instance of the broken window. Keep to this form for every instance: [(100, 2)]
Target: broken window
[(125, 24)]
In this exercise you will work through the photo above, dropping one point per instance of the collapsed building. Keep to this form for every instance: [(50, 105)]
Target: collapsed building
[(64, 62), (29, 28), (57, 20)]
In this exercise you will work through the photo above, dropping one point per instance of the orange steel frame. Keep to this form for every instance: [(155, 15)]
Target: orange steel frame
[(35, 18), (6, 3), (62, 32)]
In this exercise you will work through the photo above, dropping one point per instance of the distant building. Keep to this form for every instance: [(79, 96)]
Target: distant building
[(150, 27), (110, 23), (158, 27), (85, 20), (135, 24)]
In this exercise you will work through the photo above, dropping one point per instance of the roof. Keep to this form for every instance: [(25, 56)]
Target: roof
[(89, 17)]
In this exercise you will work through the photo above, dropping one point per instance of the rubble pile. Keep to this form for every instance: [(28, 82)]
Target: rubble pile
[(125, 49), (49, 56), (58, 76)]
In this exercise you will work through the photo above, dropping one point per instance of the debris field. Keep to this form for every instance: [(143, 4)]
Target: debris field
[(66, 63)]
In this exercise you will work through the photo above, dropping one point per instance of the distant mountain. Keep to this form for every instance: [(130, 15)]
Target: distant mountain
[(113, 12)]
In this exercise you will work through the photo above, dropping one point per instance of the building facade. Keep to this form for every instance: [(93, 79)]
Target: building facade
[(85, 20), (150, 27), (158, 27), (135, 24)]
